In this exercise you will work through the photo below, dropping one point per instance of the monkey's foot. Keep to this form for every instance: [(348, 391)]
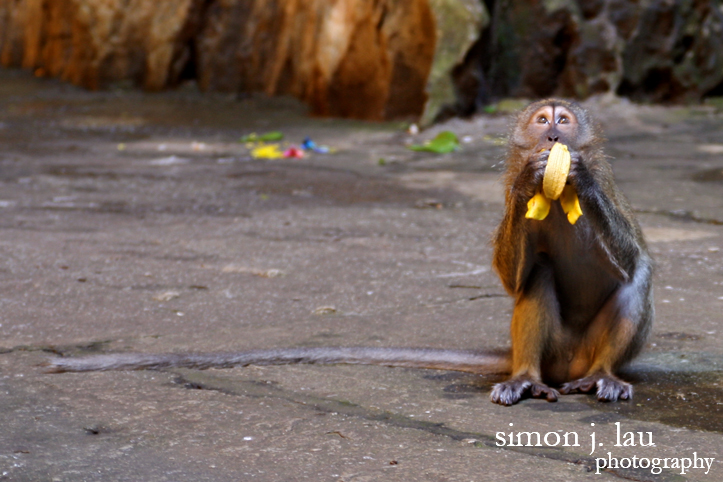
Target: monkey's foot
[(609, 388), (511, 391)]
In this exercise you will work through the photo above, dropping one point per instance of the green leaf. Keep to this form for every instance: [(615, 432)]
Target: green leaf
[(271, 136), (442, 143), (267, 137)]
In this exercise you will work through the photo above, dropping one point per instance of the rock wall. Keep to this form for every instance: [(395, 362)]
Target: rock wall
[(649, 50), (459, 25), (377, 59), (95, 42), (366, 59)]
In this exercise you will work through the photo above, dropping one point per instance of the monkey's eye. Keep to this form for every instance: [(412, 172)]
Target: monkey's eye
[(542, 120), (563, 120)]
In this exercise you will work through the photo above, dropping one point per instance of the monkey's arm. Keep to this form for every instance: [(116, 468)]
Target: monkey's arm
[(456, 360), (607, 212), (513, 252), (513, 256)]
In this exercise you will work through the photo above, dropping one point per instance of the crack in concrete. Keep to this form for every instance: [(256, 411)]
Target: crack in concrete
[(682, 215), (482, 296), (196, 380), (62, 350)]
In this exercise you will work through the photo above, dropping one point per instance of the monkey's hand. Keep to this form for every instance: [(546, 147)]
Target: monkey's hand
[(511, 391), (528, 182), (609, 387), (580, 176)]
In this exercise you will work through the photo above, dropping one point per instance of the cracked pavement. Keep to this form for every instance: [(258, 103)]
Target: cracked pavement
[(138, 222)]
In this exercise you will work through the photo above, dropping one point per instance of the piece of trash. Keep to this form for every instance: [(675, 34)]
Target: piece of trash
[(294, 152), (121, 147), (166, 295), (169, 161), (429, 204), (266, 137), (444, 142), (467, 139), (497, 141), (324, 310), (263, 273), (267, 151), (310, 145), (413, 129), (198, 146), (711, 148)]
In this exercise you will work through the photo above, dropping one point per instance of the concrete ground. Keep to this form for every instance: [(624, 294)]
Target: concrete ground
[(138, 222)]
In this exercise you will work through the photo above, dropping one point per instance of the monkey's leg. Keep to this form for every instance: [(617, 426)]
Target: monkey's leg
[(603, 357), (535, 323), (615, 336)]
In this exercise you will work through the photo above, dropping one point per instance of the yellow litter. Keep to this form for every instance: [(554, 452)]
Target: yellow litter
[(266, 151)]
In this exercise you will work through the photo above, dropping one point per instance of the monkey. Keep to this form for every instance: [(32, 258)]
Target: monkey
[(582, 293)]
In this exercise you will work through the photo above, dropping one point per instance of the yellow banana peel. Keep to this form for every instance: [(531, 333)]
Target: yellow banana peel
[(538, 207), (570, 204), (554, 187)]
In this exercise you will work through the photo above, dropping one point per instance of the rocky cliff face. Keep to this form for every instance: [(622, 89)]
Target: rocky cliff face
[(95, 42), (650, 50), (351, 58), (377, 59), (367, 59)]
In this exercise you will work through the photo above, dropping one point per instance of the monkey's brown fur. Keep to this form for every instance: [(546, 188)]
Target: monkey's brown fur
[(583, 298), (583, 303)]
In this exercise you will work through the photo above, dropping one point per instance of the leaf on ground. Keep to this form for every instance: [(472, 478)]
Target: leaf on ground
[(266, 137), (444, 142)]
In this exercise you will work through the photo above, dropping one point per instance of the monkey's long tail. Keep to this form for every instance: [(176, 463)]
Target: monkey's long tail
[(455, 360)]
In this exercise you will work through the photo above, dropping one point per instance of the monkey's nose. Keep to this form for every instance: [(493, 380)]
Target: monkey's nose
[(553, 138)]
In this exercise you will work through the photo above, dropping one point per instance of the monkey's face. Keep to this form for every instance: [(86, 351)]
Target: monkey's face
[(550, 124)]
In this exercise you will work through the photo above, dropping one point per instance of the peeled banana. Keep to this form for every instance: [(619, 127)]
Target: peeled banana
[(554, 187), (556, 172)]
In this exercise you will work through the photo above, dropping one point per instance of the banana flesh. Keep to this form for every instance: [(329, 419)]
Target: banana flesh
[(554, 187), (556, 171)]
